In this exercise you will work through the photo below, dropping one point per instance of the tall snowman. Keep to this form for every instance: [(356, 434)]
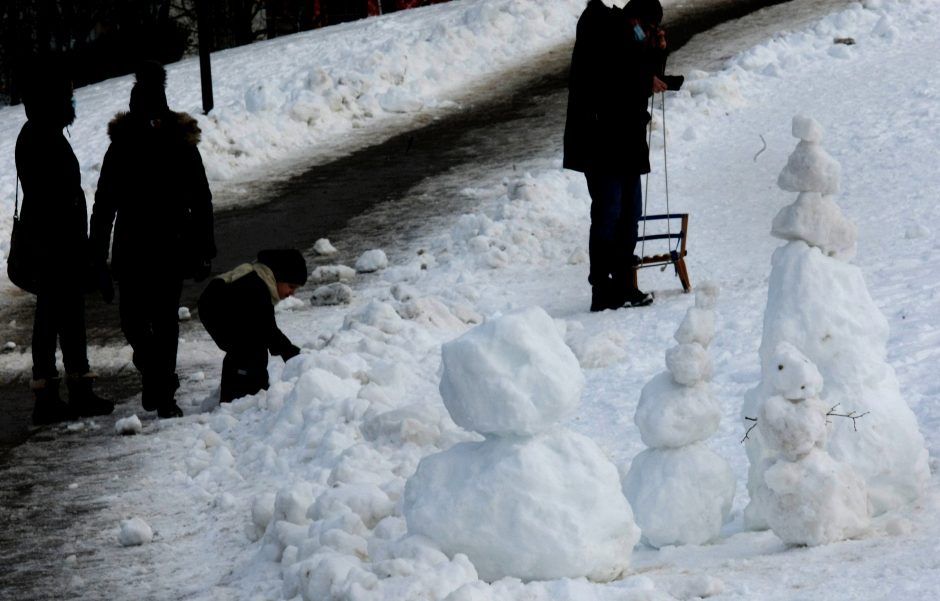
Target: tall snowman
[(808, 497), (532, 500), (680, 490), (819, 303)]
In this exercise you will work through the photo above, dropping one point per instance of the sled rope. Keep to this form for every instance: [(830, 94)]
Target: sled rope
[(646, 193)]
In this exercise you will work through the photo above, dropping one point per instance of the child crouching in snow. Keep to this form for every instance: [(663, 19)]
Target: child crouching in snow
[(237, 309)]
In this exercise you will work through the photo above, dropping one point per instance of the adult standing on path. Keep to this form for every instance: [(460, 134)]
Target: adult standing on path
[(153, 191), (618, 57), (54, 229)]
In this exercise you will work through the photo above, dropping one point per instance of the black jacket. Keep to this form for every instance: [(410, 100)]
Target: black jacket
[(153, 191), (237, 309), (608, 95), (53, 212)]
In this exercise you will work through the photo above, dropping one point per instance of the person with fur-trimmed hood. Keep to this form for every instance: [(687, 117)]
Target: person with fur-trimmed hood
[(54, 231), (153, 191), (237, 309)]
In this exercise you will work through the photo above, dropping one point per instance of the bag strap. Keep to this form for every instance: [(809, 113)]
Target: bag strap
[(16, 203)]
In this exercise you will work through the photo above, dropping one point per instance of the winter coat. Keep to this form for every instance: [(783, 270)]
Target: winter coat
[(237, 309), (608, 95), (53, 212), (153, 191)]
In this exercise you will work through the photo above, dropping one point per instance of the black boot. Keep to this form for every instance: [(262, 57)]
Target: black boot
[(607, 295), (238, 382), (83, 399), (160, 394), (49, 407)]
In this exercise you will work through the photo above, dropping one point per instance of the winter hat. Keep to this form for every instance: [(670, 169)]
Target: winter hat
[(648, 11), (148, 96), (287, 264)]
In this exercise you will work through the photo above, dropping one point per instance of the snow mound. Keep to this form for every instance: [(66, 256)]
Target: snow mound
[(534, 508)]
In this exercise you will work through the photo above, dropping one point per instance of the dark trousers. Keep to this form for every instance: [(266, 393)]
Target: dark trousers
[(616, 208), (60, 318), (149, 308)]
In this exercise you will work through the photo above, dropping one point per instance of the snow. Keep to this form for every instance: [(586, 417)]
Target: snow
[(299, 492)]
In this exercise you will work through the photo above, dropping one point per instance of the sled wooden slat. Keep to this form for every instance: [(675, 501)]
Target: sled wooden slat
[(675, 257)]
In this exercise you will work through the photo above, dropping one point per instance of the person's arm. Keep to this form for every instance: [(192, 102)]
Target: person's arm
[(104, 208), (279, 344)]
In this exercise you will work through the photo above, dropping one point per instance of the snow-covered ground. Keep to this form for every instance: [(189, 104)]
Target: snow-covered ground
[(297, 493)]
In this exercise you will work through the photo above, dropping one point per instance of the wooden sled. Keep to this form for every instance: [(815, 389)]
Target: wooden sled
[(676, 255)]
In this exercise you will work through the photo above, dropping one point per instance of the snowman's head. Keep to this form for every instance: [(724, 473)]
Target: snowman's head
[(793, 375)]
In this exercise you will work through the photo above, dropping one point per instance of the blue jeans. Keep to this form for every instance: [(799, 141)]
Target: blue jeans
[(616, 208)]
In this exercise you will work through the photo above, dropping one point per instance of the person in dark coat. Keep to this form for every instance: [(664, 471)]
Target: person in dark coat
[(237, 309), (617, 63), (153, 191), (54, 219)]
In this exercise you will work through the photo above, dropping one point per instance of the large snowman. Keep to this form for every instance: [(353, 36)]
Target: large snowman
[(819, 303), (679, 488), (532, 500)]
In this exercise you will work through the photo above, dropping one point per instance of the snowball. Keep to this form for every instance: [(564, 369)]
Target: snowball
[(183, 314), (680, 496), (689, 364), (323, 247), (376, 314), (793, 428), (134, 532), (672, 415), (806, 128), (336, 293), (371, 260), (510, 375), (792, 374), (814, 501), (535, 508), (818, 221), (128, 425), (325, 274)]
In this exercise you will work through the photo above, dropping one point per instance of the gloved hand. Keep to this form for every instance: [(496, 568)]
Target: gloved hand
[(202, 269), (105, 283), (290, 352)]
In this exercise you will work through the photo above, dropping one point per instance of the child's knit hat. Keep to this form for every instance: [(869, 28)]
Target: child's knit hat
[(287, 264)]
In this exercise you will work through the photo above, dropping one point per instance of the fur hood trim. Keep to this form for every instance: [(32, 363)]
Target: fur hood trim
[(180, 125)]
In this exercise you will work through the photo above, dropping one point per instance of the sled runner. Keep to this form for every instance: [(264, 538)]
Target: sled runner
[(677, 252)]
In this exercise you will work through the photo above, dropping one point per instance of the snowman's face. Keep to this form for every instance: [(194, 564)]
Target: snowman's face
[(794, 376)]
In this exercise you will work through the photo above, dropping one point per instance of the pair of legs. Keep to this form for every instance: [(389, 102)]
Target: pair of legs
[(60, 320), (149, 309), (616, 209)]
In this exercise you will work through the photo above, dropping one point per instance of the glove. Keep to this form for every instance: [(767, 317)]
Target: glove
[(105, 283), (201, 270), (289, 353), (673, 82)]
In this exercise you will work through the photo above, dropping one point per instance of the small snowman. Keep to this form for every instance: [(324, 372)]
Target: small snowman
[(681, 490), (808, 497), (533, 500)]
